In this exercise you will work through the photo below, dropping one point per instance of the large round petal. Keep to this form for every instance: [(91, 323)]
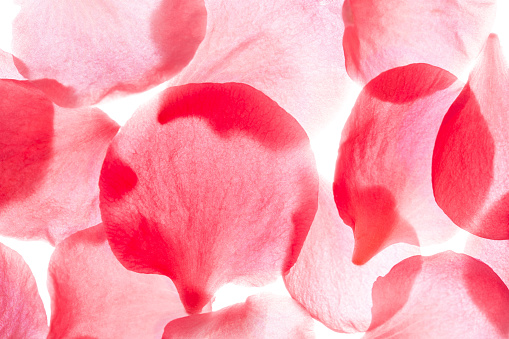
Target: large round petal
[(208, 184), (471, 155), (93, 48), (380, 35), (382, 184), (260, 317), (50, 162), (288, 49), (326, 282), (22, 312), (94, 296), (452, 296)]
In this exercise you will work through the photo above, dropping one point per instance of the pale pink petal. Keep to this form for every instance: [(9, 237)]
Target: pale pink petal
[(495, 253), (471, 156), (94, 48), (380, 35), (7, 68), (382, 184), (447, 295), (229, 196)]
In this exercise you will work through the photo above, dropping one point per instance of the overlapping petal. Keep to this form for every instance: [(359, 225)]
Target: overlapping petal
[(94, 296), (93, 48), (8, 69), (326, 282), (50, 159), (260, 317), (208, 184), (22, 312), (382, 184), (471, 155), (494, 253), (450, 296), (380, 35)]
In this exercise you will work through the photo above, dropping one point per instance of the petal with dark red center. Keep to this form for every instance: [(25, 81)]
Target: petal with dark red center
[(380, 35), (471, 155), (326, 282), (50, 162), (288, 49), (95, 48), (495, 253), (382, 184), (229, 196), (260, 317), (93, 295), (453, 296), (7, 68), (22, 312)]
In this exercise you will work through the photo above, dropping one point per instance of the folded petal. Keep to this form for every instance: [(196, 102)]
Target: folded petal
[(22, 314), (288, 49), (470, 178), (452, 296), (382, 183), (95, 48), (93, 295), (230, 195), (260, 317), (380, 35), (8, 69), (326, 282), (50, 162)]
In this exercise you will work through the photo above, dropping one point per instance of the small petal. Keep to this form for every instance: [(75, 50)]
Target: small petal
[(8, 69)]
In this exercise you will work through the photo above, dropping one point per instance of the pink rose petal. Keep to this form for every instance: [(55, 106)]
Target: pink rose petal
[(495, 253), (380, 35), (7, 68), (471, 156), (50, 162), (94, 296), (22, 312), (229, 196), (326, 282), (452, 296), (382, 184), (95, 48), (260, 317)]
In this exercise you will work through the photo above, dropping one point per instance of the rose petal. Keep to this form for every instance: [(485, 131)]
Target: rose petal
[(288, 49), (452, 296), (22, 314), (261, 316), (94, 295), (230, 196), (7, 68), (495, 253), (477, 199), (50, 163), (324, 280), (380, 35), (382, 184), (95, 48)]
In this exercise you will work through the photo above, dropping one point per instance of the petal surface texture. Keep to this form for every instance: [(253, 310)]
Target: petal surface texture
[(22, 312), (98, 47), (382, 184), (471, 155), (8, 69), (326, 282), (51, 158), (260, 317), (495, 253), (229, 197), (94, 296), (288, 49), (380, 35), (452, 296)]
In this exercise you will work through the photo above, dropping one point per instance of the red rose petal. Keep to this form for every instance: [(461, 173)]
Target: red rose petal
[(50, 162), (380, 35), (452, 296), (95, 48), (230, 196), (7, 68), (261, 316), (22, 312), (326, 282), (495, 253), (382, 184), (470, 178), (288, 49), (94, 295)]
